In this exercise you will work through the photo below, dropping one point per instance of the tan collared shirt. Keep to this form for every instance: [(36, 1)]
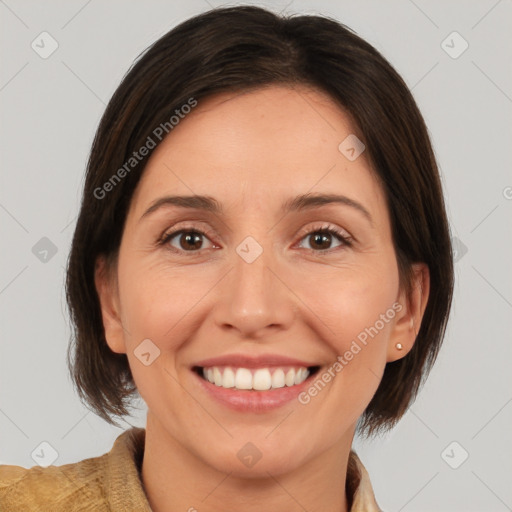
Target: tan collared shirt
[(112, 482)]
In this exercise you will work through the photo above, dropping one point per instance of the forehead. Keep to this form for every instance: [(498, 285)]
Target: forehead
[(259, 146)]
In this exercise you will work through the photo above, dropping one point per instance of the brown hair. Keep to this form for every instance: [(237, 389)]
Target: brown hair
[(239, 49)]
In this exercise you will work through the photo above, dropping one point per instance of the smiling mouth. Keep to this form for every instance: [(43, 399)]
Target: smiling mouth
[(255, 379)]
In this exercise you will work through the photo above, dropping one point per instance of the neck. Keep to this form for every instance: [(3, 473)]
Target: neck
[(176, 480)]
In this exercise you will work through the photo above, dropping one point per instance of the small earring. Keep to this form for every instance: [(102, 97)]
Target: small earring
[(399, 346)]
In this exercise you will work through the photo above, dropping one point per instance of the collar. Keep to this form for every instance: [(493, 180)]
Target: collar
[(123, 483)]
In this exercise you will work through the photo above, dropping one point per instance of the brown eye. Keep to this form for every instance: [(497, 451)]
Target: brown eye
[(188, 240), (321, 239)]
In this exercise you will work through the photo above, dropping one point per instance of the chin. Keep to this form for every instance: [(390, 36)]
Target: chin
[(255, 459)]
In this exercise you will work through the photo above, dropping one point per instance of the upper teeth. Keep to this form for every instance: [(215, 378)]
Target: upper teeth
[(259, 379)]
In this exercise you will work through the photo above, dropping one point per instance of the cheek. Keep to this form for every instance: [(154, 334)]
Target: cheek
[(357, 305), (360, 317), (156, 304), (165, 305), (354, 302), (155, 299)]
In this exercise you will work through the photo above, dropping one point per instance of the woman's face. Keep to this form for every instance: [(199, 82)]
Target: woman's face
[(254, 290)]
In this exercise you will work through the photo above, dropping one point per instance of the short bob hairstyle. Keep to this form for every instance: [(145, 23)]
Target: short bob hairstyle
[(239, 49)]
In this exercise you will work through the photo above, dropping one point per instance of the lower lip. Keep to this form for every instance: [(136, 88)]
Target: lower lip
[(253, 401)]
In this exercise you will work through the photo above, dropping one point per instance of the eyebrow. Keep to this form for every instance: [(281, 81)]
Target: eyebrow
[(299, 203)]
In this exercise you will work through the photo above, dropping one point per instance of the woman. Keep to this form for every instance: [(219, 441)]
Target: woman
[(262, 253)]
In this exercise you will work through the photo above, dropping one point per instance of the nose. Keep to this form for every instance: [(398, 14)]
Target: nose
[(254, 297)]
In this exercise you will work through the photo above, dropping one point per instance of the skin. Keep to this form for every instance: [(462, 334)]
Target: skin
[(251, 152)]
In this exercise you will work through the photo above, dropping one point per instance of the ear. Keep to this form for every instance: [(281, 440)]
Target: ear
[(408, 319), (106, 287)]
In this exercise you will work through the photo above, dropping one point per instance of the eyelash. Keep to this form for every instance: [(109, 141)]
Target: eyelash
[(346, 241)]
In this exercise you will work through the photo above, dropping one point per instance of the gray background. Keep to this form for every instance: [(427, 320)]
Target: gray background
[(50, 109)]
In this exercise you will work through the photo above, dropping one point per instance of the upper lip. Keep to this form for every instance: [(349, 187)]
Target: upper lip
[(246, 361)]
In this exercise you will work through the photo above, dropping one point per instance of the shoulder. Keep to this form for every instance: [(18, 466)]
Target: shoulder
[(108, 482), (70, 487)]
